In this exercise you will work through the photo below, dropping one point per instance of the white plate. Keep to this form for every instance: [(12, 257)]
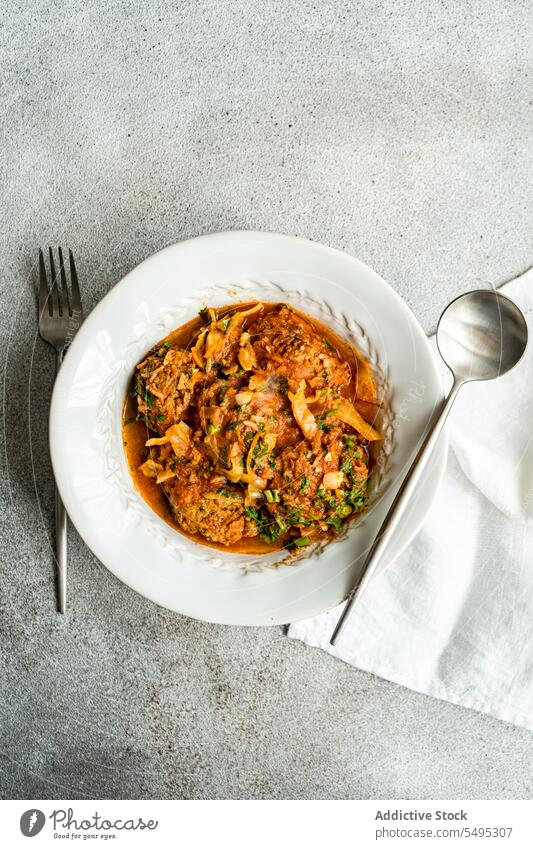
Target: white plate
[(85, 434)]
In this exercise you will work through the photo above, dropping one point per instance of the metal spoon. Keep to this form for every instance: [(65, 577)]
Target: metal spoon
[(480, 336)]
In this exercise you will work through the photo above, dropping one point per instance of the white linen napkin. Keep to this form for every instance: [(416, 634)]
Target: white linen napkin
[(453, 616)]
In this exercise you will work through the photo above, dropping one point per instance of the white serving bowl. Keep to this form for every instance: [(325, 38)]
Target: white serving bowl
[(164, 292)]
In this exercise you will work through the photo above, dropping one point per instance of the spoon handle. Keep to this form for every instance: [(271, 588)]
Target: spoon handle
[(397, 508)]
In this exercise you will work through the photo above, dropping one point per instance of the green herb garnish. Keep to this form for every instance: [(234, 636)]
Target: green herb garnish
[(260, 451), (321, 420), (334, 521), (281, 384), (221, 393)]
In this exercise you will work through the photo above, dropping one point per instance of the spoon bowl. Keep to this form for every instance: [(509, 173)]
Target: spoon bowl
[(481, 335)]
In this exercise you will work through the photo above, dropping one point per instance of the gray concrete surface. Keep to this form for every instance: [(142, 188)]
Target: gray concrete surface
[(398, 131)]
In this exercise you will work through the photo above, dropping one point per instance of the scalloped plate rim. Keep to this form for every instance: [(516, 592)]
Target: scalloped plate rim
[(275, 616)]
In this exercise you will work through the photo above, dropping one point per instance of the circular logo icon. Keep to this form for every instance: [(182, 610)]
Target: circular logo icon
[(31, 822)]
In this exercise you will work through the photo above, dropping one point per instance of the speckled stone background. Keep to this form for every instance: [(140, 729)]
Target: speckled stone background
[(398, 131)]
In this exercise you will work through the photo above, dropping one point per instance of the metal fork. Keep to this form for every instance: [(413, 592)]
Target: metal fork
[(60, 315)]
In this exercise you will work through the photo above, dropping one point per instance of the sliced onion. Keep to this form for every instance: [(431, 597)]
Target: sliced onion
[(333, 480)]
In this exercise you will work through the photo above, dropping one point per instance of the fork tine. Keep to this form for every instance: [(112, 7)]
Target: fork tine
[(75, 298), (54, 295), (65, 299), (43, 286)]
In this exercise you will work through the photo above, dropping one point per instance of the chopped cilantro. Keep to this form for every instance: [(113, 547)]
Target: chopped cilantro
[(267, 530), (293, 516), (140, 389), (221, 393), (321, 420), (229, 493), (260, 450), (334, 521), (137, 386), (356, 497), (226, 320), (302, 541), (304, 485), (272, 534)]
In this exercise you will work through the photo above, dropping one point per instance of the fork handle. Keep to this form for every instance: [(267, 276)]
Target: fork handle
[(61, 533)]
